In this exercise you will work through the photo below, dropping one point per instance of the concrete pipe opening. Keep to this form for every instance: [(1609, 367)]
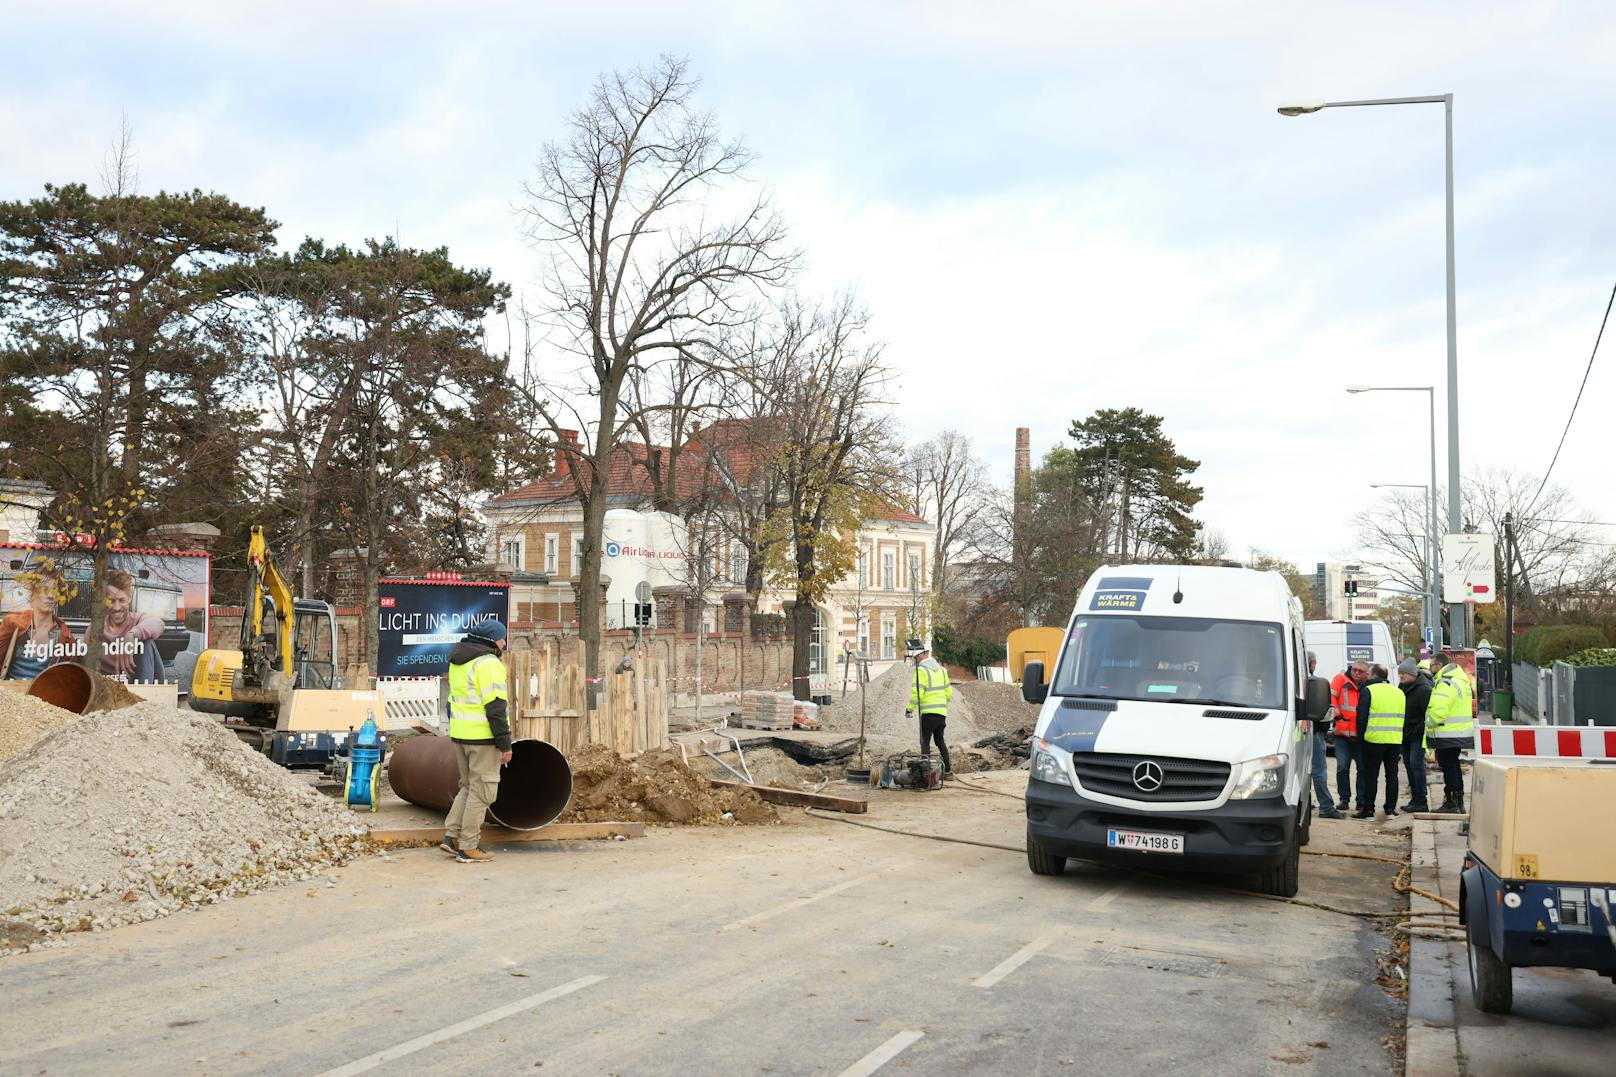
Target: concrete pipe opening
[(535, 787), (70, 687)]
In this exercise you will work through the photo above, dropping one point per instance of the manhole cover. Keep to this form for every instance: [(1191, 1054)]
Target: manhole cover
[(1163, 961)]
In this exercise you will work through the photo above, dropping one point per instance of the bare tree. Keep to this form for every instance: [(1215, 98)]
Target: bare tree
[(638, 275), (949, 486)]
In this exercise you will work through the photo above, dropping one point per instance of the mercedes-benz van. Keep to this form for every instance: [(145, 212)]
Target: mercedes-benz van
[(1174, 729), (1338, 644)]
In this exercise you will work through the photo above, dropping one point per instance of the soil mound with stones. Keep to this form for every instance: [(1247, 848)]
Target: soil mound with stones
[(24, 719), (995, 707), (127, 815), (657, 787), (885, 698)]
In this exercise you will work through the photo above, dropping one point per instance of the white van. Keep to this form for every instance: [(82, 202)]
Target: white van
[(1175, 728), (1338, 644)]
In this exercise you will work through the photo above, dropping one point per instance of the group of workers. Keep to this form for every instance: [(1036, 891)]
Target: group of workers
[(1378, 724)]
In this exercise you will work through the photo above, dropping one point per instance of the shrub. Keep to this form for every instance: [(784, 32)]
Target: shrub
[(1593, 656), (1561, 641), (970, 653), (1527, 643)]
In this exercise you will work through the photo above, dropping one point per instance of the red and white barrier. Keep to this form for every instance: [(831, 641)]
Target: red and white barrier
[(1547, 741)]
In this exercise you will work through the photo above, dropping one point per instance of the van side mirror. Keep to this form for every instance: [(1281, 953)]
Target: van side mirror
[(1317, 699), (1033, 688)]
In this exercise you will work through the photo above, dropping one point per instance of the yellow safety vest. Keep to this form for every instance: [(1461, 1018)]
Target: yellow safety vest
[(929, 690), (1451, 704), (473, 685), (1387, 705)]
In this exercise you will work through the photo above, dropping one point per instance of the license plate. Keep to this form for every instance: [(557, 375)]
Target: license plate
[(1144, 842)]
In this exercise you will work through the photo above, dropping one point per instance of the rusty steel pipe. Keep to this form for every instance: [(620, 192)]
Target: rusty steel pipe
[(534, 787), (71, 687)]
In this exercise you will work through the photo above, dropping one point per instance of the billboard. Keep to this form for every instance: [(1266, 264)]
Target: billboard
[(420, 621), (156, 619), (1467, 569)]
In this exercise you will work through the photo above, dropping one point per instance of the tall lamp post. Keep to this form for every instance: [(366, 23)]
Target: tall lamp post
[(1431, 599), (1435, 557), (1456, 615)]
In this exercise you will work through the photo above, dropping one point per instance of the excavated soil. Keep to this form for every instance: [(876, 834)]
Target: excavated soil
[(128, 815), (24, 719), (995, 707), (885, 699), (768, 766), (657, 787), (115, 695)]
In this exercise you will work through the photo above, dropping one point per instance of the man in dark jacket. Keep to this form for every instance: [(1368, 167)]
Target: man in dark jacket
[(1416, 684), (481, 735)]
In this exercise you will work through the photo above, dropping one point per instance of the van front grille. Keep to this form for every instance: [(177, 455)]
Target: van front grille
[(1181, 779)]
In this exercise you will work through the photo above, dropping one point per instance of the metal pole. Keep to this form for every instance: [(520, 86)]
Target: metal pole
[(1509, 600), (1456, 614), (1434, 552)]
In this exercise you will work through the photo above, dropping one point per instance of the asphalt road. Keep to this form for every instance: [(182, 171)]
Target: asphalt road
[(812, 947)]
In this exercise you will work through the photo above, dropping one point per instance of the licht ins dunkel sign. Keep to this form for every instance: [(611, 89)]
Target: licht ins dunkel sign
[(420, 621)]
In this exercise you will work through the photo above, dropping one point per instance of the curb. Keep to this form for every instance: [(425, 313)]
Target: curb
[(1433, 1031)]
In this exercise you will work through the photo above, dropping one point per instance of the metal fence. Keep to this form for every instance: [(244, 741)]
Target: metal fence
[(1567, 695)]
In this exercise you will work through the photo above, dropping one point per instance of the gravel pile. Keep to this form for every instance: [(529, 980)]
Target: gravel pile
[(995, 708), (24, 719), (124, 816), (886, 697)]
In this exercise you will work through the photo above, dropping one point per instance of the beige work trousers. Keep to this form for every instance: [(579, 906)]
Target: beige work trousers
[(479, 786)]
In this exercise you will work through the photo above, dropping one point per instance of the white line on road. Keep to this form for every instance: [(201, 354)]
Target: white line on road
[(881, 1055), (791, 906), (1013, 962), (449, 1032), (1110, 895)]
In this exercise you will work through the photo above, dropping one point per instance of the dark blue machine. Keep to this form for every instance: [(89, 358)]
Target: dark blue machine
[(1513, 923)]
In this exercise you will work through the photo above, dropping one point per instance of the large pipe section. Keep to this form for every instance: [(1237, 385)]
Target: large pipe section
[(534, 787), (73, 688)]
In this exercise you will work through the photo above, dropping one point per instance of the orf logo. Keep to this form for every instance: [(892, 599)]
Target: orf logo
[(1147, 777), (389, 602), (613, 548)]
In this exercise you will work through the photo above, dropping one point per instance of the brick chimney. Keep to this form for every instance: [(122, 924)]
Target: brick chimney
[(571, 438)]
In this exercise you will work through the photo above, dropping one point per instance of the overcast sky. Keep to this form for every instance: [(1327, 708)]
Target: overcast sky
[(1049, 208)]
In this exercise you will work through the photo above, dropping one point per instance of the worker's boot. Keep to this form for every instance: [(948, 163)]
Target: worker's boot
[(450, 845), (1447, 807), (473, 856), (1458, 803)]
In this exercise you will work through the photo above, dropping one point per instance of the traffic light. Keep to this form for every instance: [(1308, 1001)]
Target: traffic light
[(1351, 589)]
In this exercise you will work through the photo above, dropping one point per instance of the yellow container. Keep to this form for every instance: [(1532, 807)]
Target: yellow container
[(1545, 819), (1034, 645)]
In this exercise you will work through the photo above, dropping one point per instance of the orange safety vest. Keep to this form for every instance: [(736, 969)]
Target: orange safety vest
[(1344, 696)]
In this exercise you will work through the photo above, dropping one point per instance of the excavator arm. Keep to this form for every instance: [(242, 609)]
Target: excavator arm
[(265, 657)]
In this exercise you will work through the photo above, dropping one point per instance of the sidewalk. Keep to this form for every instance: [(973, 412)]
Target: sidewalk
[(1564, 1020)]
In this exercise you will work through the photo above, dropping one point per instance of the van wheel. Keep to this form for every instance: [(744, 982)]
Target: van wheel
[(1041, 860), (1284, 878), (1492, 983)]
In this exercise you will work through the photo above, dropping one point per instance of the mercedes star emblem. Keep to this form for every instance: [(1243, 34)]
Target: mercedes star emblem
[(1147, 776)]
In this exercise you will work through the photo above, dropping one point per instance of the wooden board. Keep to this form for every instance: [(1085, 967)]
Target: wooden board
[(497, 835), (798, 797)]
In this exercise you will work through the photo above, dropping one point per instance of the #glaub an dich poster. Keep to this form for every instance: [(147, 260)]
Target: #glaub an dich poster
[(155, 614)]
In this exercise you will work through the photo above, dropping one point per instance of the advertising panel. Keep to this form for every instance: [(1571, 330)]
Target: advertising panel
[(156, 621), (640, 548), (420, 621)]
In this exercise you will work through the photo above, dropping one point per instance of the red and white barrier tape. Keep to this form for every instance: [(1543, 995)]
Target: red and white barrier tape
[(1548, 742)]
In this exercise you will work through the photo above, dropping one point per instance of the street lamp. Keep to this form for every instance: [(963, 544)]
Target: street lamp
[(1431, 600), (1456, 616), (1435, 557)]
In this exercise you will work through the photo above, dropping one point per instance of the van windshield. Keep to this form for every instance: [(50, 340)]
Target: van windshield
[(1174, 660)]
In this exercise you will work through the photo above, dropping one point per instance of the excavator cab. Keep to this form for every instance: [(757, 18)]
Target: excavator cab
[(314, 644)]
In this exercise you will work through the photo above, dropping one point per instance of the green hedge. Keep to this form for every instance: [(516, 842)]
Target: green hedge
[(1593, 656), (970, 653), (1547, 644)]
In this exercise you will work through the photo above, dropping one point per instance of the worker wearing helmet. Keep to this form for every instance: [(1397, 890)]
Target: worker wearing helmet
[(481, 735), (929, 694)]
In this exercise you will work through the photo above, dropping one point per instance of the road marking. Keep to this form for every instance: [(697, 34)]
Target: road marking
[(1013, 962), (881, 1055), (449, 1032), (1110, 895), (791, 906)]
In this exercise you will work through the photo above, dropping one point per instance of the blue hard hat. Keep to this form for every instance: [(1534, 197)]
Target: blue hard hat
[(493, 630)]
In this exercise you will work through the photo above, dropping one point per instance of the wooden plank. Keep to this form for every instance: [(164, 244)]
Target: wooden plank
[(798, 797), (496, 835)]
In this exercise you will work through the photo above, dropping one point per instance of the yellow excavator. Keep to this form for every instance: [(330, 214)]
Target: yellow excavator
[(286, 643)]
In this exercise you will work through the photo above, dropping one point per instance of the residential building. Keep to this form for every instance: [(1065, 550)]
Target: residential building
[(538, 527), (1330, 581)]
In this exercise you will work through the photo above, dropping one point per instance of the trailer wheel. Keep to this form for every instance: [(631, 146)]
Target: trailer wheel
[(1492, 984), (1041, 860)]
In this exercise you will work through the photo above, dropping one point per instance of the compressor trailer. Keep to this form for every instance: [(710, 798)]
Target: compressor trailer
[(1539, 884)]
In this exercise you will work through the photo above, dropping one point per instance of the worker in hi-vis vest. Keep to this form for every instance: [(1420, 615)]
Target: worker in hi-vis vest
[(929, 695), (1381, 706), (1451, 725), (481, 735)]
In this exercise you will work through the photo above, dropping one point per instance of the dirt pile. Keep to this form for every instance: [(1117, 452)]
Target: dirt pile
[(768, 766), (885, 698), (127, 815), (995, 707), (657, 787), (24, 719)]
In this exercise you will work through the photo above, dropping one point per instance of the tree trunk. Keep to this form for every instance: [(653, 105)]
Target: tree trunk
[(94, 636), (802, 634)]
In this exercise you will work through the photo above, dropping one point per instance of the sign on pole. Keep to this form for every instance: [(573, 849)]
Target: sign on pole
[(1467, 569)]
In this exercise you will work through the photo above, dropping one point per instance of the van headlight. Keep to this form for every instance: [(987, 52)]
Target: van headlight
[(1049, 763), (1263, 777)]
